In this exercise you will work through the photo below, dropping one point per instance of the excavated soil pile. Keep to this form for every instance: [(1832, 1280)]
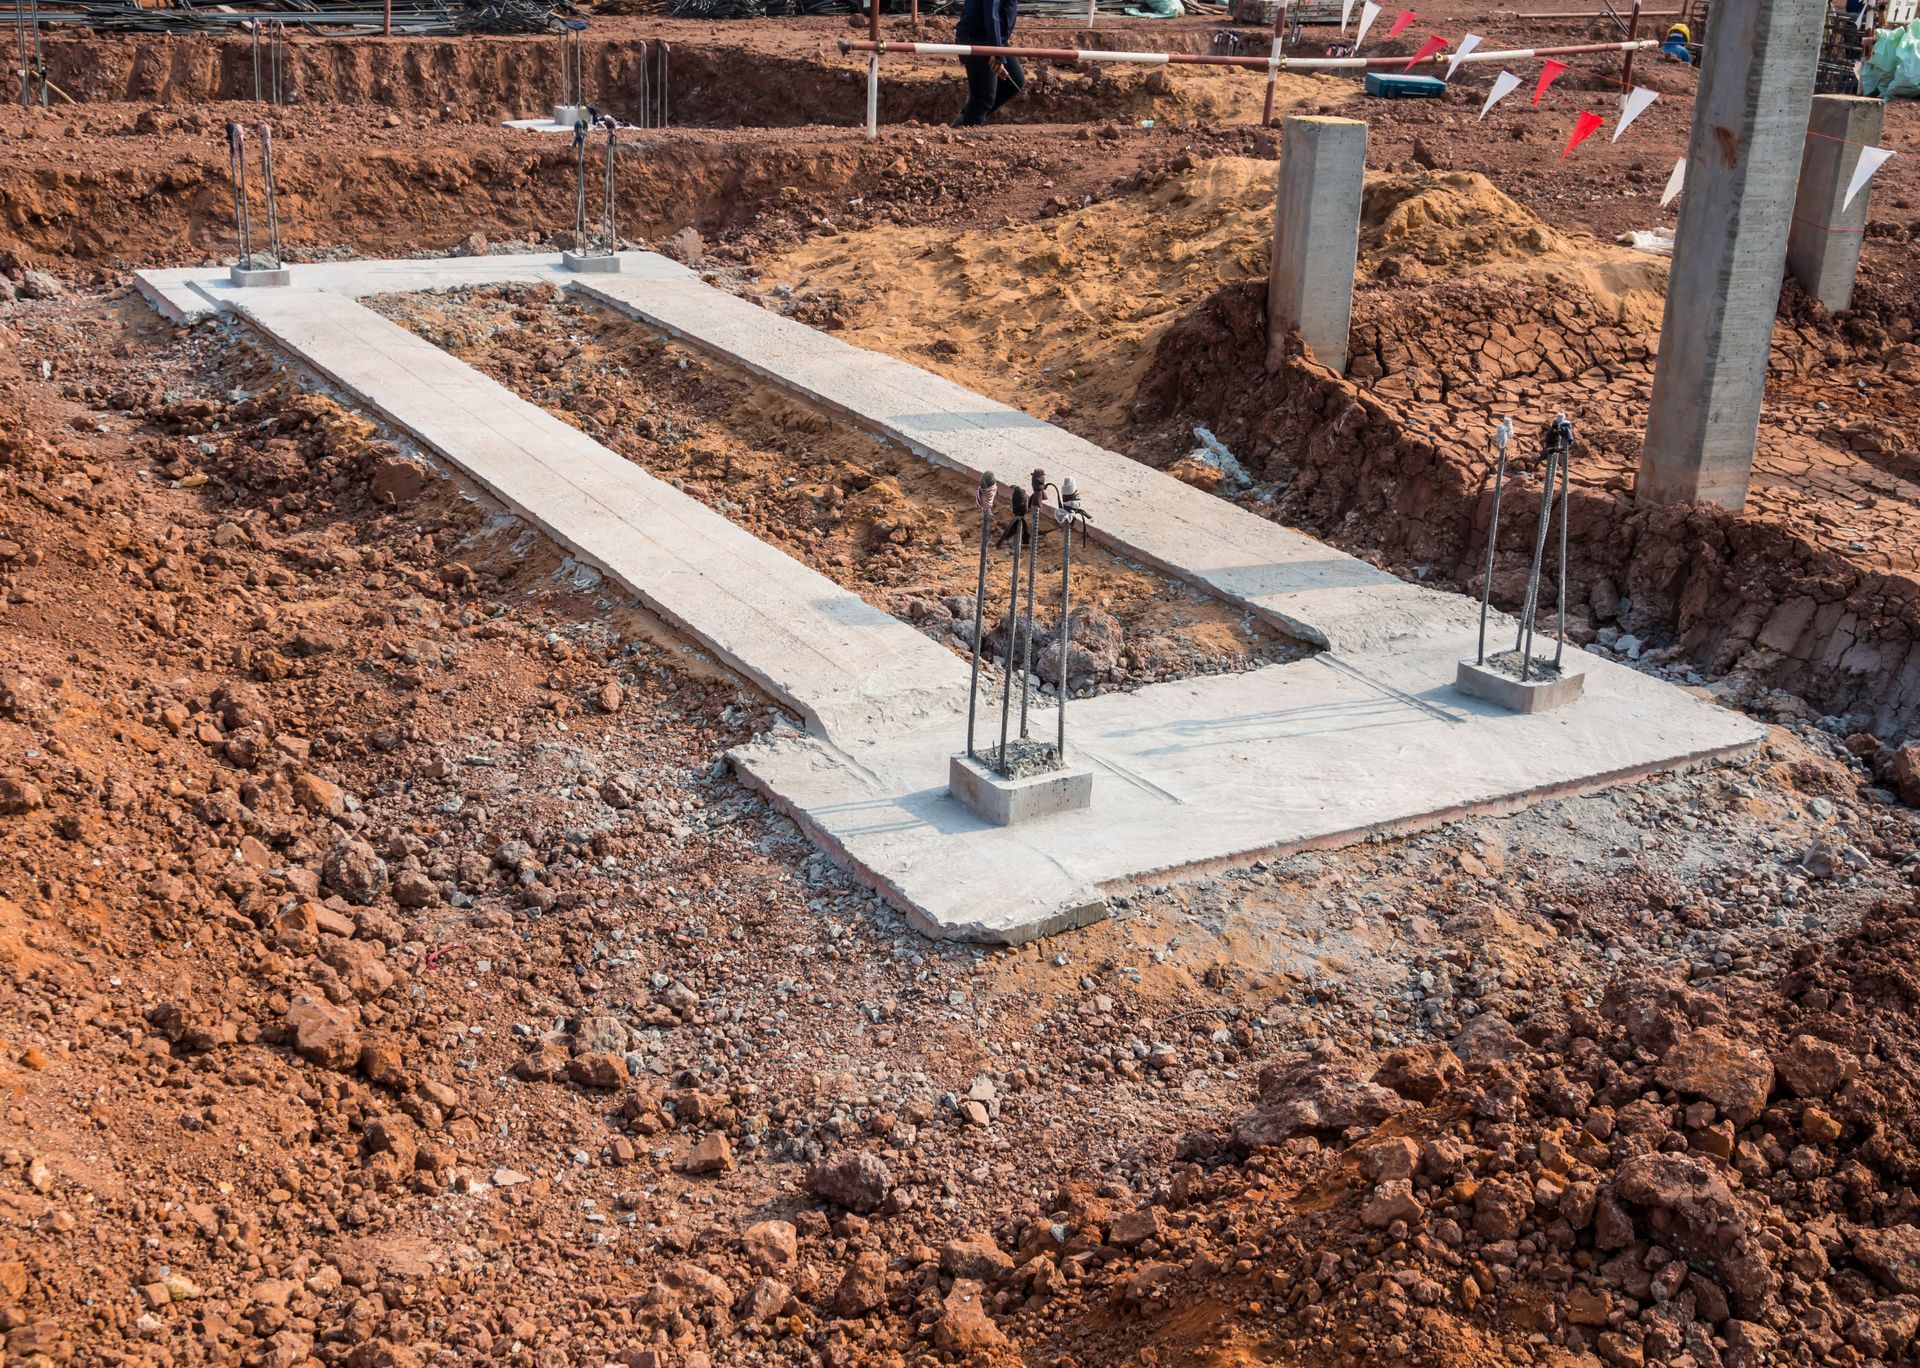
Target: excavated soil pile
[(885, 524), (1721, 1175), (1398, 465)]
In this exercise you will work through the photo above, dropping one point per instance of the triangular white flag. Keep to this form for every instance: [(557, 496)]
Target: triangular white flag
[(1871, 160), (1368, 13), (1503, 85), (1632, 105), (1673, 182), (1346, 13), (1467, 44)]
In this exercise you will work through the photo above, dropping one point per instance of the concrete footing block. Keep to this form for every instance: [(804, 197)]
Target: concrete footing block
[(597, 263), (569, 115), (1008, 802), (1534, 695), (249, 276)]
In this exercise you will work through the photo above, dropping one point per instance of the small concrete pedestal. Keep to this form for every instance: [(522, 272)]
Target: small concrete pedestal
[(569, 115), (600, 263), (1007, 802), (248, 276), (1509, 691)]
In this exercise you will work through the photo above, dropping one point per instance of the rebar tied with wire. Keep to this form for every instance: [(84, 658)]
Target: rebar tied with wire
[(1556, 457)]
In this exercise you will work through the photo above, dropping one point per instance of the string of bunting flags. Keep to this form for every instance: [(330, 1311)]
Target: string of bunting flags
[(1633, 103)]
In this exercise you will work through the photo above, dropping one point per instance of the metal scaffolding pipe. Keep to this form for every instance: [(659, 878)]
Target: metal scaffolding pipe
[(1275, 62)]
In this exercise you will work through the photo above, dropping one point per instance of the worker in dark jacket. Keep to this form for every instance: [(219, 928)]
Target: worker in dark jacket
[(991, 81)]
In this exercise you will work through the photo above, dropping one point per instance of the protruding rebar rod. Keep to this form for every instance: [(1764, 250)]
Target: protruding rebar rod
[(1566, 508), (646, 93), (665, 82), (579, 185), (1069, 510), (1523, 641), (1017, 531), (1501, 436), (1036, 500), (266, 189), (609, 221), (983, 498), (237, 165)]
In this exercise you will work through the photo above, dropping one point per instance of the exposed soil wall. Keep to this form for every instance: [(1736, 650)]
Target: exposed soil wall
[(709, 86), (1734, 594)]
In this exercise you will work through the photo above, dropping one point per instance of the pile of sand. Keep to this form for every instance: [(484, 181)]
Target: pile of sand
[(1060, 316)]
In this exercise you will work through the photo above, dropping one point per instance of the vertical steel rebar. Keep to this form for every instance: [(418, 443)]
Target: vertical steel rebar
[(1066, 632), (664, 83), (1523, 641), (983, 499), (39, 53), (1013, 617), (579, 185), (237, 167), (646, 93), (609, 222), (253, 28), (1501, 436), (1036, 500), (266, 190), (1566, 507)]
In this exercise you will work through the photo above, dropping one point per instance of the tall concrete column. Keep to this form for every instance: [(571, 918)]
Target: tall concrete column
[(1316, 236), (1749, 122), (1823, 250)]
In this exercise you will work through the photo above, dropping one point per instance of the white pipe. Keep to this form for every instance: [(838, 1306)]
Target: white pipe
[(1280, 63), (873, 92)]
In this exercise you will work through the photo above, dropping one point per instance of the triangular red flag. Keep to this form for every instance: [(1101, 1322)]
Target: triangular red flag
[(1400, 23), (1582, 130), (1427, 49), (1551, 70)]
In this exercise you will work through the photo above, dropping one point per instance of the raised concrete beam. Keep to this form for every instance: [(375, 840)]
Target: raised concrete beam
[(1749, 122), (1823, 250), (849, 669), (1316, 236)]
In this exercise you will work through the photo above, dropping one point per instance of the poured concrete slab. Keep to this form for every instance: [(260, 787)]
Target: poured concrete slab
[(1368, 738), (1301, 585), (851, 670), (1222, 769)]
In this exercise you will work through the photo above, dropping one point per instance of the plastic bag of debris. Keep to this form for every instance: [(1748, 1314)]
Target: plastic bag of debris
[(1893, 67), (1659, 242)]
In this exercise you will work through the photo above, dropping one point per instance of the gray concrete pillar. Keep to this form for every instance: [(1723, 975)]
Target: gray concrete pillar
[(1749, 122), (1823, 249), (1316, 236)]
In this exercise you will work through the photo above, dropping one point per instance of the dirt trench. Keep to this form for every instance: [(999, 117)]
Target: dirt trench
[(1736, 595), (708, 85)]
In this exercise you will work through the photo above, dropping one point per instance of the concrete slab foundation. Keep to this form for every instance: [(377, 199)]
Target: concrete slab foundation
[(1316, 235), (1006, 802), (1749, 125), (593, 263), (1368, 738), (1823, 248), (1514, 694)]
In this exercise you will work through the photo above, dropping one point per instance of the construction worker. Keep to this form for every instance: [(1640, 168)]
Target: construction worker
[(991, 81), (1678, 44)]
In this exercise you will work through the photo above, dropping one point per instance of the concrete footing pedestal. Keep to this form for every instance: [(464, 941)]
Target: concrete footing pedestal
[(1008, 802), (245, 276), (569, 115), (599, 263), (1509, 691)]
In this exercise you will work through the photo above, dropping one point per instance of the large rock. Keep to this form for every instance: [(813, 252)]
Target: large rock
[(354, 872), (1683, 1202), (1312, 1097), (323, 1032), (1891, 1255), (964, 1326), (863, 1287), (1811, 1067), (1735, 1078), (858, 1181)]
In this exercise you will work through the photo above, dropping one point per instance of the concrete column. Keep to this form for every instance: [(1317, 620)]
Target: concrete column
[(1824, 247), (1316, 236), (1749, 122)]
